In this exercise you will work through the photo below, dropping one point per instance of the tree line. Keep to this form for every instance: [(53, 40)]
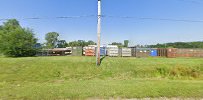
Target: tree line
[(16, 41), (52, 41), (198, 44)]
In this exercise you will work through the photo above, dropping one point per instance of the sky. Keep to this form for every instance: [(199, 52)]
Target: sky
[(122, 19)]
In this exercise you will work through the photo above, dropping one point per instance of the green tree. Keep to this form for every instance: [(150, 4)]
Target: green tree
[(52, 39), (120, 45), (90, 42), (198, 44), (73, 43), (81, 43), (61, 44), (16, 41)]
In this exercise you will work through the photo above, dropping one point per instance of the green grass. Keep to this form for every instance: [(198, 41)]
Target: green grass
[(53, 78)]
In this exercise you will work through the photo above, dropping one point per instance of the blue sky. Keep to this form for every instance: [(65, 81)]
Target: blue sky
[(117, 29)]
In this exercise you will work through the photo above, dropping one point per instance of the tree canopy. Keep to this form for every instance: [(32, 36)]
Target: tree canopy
[(51, 39), (197, 44), (61, 44), (81, 43), (16, 41)]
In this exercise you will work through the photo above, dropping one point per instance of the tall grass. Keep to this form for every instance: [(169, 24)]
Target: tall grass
[(79, 77), (84, 68)]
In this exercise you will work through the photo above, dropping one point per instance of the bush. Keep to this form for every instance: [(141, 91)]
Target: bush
[(16, 41), (184, 71)]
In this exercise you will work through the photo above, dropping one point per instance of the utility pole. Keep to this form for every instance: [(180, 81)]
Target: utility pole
[(98, 33)]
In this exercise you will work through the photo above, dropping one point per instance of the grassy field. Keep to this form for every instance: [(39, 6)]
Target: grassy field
[(51, 78)]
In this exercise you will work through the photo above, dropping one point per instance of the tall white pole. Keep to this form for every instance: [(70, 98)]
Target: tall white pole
[(98, 33)]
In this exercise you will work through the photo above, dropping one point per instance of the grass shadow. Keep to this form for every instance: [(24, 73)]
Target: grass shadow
[(102, 58)]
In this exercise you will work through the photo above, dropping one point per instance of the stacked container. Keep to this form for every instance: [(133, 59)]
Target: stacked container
[(120, 52), (171, 52), (198, 52), (154, 53), (182, 52), (111, 50), (102, 51), (126, 52), (43, 52), (69, 52), (77, 51), (89, 52), (133, 51), (161, 52), (143, 52)]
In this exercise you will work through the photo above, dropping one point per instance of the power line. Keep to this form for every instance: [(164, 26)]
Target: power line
[(41, 18), (150, 18), (106, 16)]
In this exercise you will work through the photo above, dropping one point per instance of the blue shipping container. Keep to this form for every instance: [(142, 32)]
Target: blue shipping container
[(153, 53), (102, 51)]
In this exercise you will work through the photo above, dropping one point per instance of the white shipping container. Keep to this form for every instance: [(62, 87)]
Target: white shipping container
[(126, 52), (113, 52), (110, 50)]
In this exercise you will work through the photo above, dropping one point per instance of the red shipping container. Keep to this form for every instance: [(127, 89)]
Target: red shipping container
[(89, 52)]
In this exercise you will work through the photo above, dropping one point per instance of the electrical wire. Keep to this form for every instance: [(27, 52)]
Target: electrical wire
[(106, 16), (150, 18), (41, 18)]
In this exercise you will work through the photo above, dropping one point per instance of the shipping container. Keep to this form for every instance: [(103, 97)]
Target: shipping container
[(120, 52), (126, 52), (142, 52), (90, 52), (172, 52), (133, 51), (189, 52), (77, 51), (88, 47), (54, 52), (43, 52), (103, 51), (154, 53), (162, 52), (69, 51), (113, 52), (180, 52), (111, 49)]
